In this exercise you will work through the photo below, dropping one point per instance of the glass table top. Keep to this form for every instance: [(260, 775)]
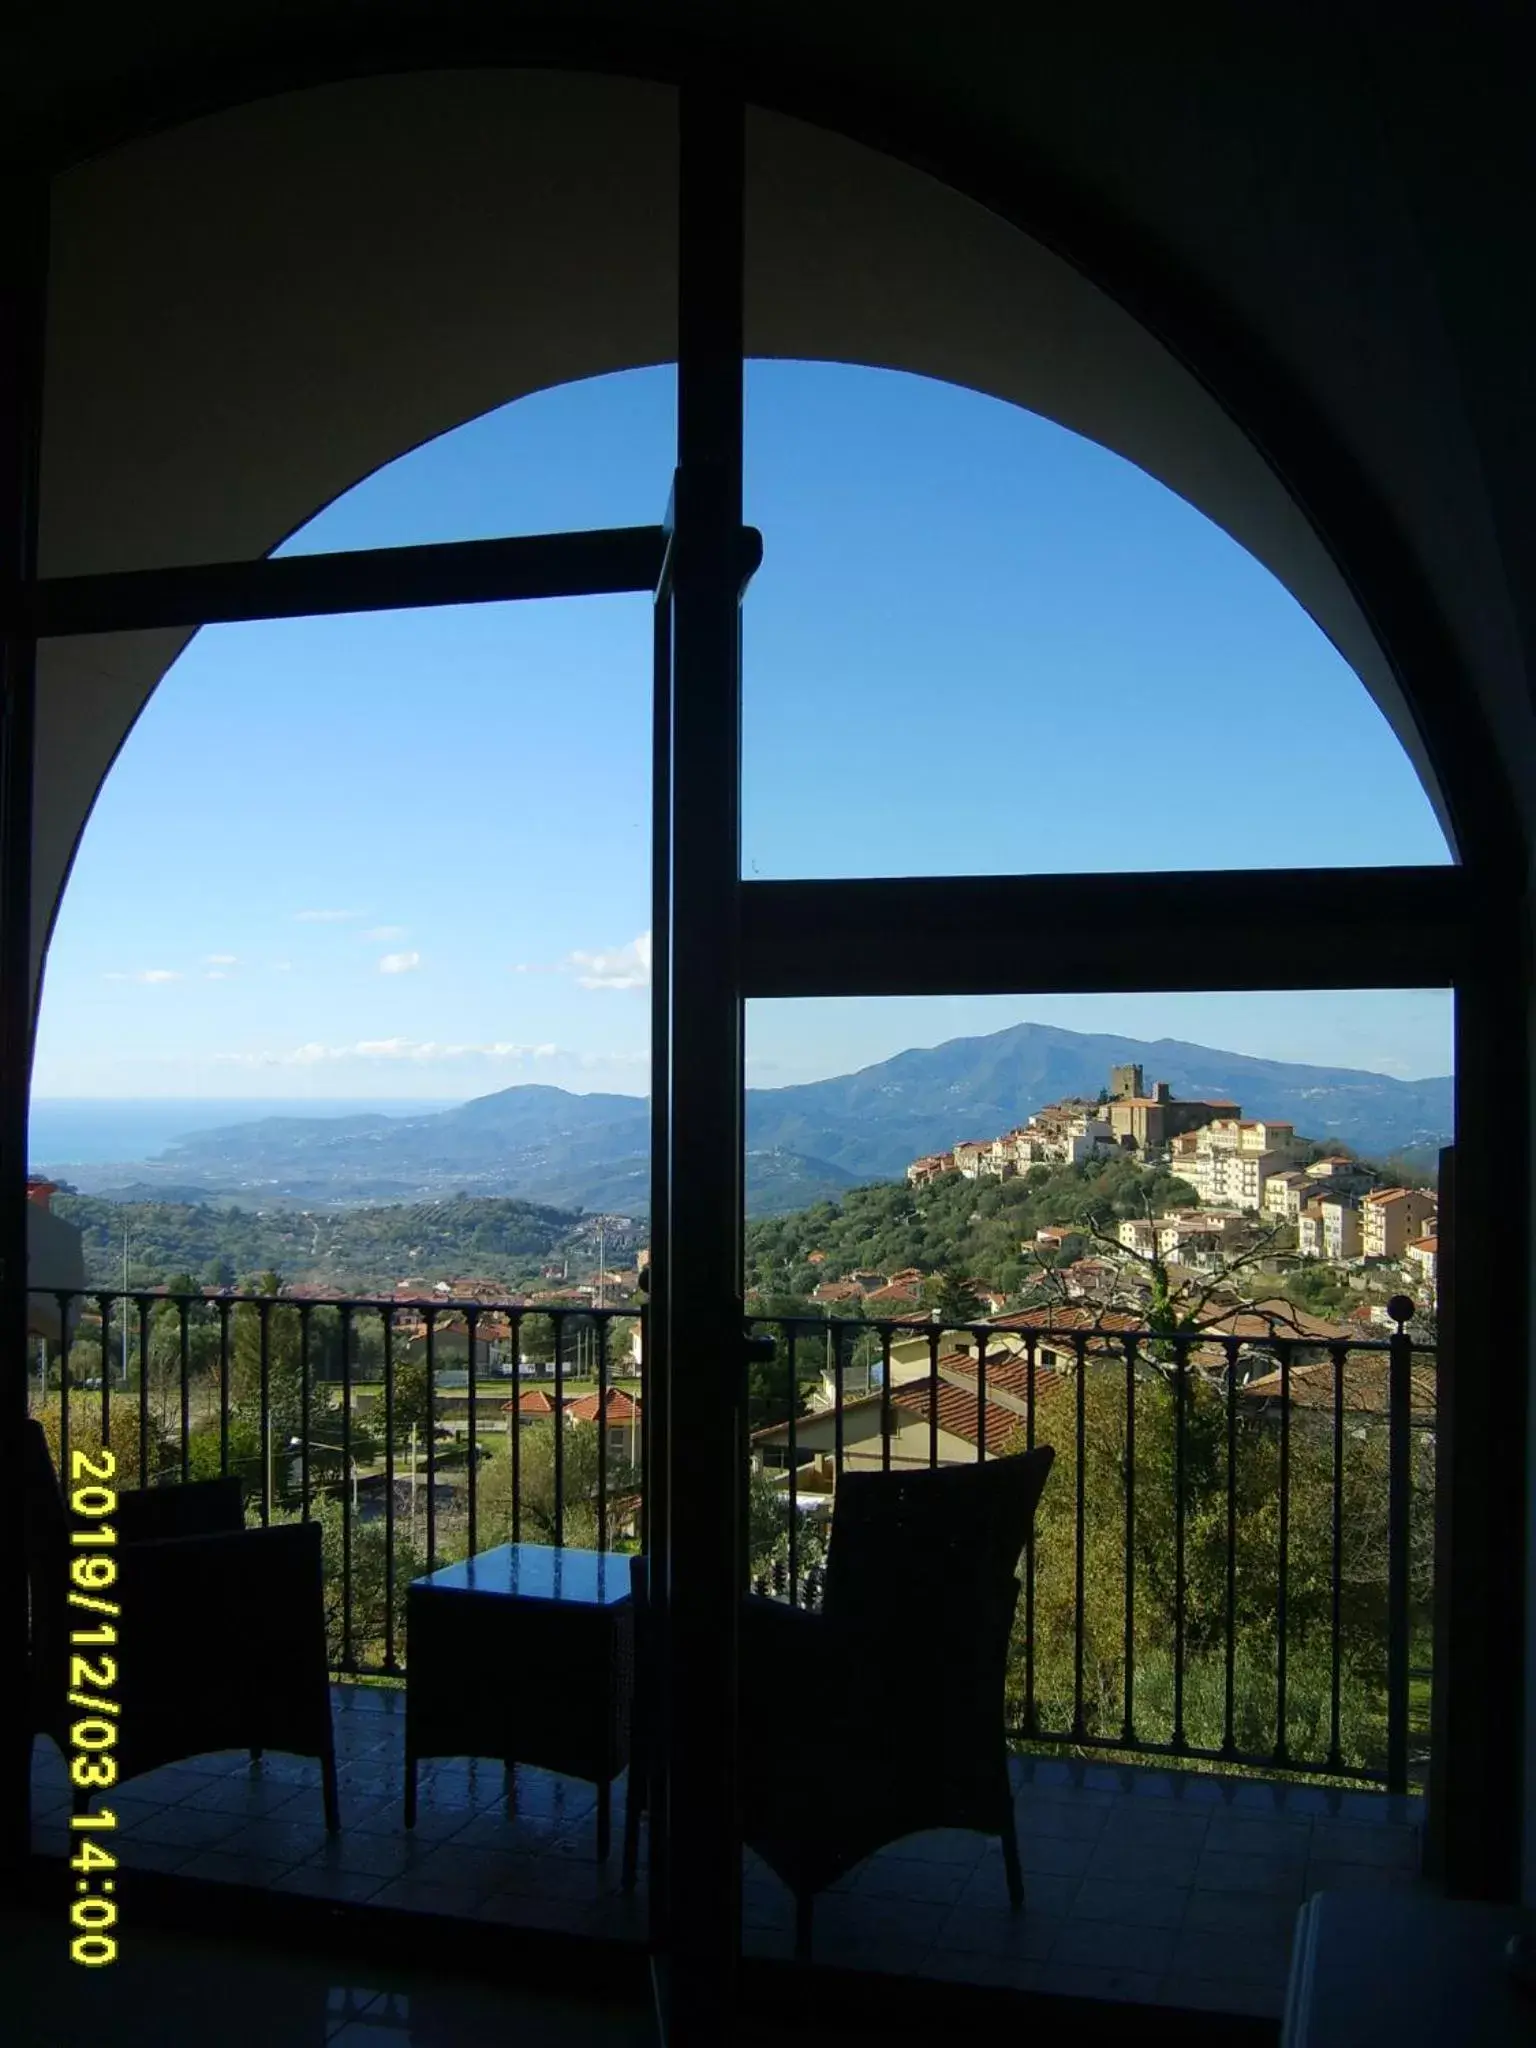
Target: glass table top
[(537, 1571)]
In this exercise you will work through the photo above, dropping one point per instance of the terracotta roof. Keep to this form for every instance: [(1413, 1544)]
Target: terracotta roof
[(532, 1401), (1425, 1244), (1365, 1386), (621, 1407), (1007, 1373), (957, 1411)]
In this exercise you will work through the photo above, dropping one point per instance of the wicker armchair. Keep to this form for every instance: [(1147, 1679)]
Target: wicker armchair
[(883, 1714), (222, 1627)]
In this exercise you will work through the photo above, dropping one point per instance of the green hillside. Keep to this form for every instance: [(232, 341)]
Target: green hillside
[(974, 1227)]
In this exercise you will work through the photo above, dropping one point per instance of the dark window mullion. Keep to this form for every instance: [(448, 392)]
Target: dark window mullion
[(1024, 934), (602, 562)]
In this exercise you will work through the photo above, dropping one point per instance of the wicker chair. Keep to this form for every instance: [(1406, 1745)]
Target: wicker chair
[(882, 1714), (222, 1627)]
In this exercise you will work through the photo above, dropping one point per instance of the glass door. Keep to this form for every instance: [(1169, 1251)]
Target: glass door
[(696, 1149)]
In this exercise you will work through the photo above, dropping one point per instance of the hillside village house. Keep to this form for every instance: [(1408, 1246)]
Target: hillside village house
[(1424, 1257), (1392, 1218), (1328, 1227)]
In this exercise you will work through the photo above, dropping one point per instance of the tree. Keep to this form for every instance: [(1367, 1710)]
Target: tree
[(565, 1513), (954, 1298), (284, 1362)]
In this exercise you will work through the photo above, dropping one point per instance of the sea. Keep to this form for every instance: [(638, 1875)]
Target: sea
[(70, 1131)]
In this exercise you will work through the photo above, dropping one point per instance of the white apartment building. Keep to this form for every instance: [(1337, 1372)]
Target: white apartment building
[(1423, 1261), (1285, 1192), (1392, 1218), (1329, 1228), (1227, 1177)]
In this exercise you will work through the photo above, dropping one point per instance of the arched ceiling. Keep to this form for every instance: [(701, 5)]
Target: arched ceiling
[(251, 311)]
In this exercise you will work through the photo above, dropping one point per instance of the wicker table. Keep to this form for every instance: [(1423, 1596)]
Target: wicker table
[(523, 1653)]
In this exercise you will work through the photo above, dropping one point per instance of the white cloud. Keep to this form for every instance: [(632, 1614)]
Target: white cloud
[(623, 967), (221, 959), (325, 916), (383, 933), (399, 963), (421, 1052), (282, 967), (146, 974)]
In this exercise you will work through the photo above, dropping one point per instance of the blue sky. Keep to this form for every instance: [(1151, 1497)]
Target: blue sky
[(406, 855)]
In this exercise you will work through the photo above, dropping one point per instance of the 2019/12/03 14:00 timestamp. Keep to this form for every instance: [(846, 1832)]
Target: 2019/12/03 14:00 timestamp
[(93, 1664)]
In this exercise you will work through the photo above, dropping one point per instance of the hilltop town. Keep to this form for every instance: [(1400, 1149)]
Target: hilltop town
[(1254, 1195)]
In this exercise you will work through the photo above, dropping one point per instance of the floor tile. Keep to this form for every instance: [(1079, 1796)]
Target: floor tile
[(891, 1877), (1055, 1856), (412, 1895), (1143, 1863), (1134, 1905), (1156, 1827), (1204, 1994), (210, 1866), (1325, 1876), (1069, 1981), (1029, 1935), (1255, 1834), (181, 1824), (1201, 1952), (1112, 1945), (1240, 1913), (350, 1886), (1343, 1841), (1278, 1877)]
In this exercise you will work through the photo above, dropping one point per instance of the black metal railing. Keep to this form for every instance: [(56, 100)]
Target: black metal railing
[(1232, 1562), (361, 1413)]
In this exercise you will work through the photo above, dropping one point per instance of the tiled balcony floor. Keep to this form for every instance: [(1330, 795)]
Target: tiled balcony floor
[(1167, 1886)]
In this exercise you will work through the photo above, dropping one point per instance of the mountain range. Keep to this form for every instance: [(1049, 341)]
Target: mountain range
[(803, 1142)]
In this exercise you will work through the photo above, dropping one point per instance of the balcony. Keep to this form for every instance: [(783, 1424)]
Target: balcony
[(1218, 1693)]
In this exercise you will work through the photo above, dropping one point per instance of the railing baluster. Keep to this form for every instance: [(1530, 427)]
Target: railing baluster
[(225, 1305), (184, 1362), (517, 1430), (1229, 1707), (387, 1322), (1339, 1353), (306, 1423), (558, 1319), (885, 1397), (264, 1344), (66, 1368), (835, 1330), (1031, 1712), (1080, 1348), (431, 1431), (144, 1391), (934, 1335), (981, 1395), (643, 1364), (793, 1330), (471, 1326), (106, 1364), (602, 1431), (1128, 1715), (1399, 1507), (348, 1486), (1180, 1561), (1282, 1608)]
